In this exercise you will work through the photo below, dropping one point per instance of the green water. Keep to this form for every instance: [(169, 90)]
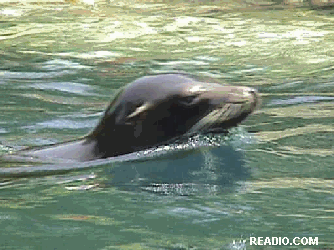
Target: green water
[(61, 64)]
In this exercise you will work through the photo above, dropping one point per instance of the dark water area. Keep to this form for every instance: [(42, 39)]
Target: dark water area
[(60, 65)]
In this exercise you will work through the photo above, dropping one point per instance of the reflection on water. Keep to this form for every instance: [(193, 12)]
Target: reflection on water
[(183, 174), (61, 64), (300, 99)]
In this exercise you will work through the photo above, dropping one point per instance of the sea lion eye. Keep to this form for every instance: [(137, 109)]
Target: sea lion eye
[(188, 100)]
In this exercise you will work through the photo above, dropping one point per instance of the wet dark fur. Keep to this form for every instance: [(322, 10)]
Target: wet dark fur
[(154, 110)]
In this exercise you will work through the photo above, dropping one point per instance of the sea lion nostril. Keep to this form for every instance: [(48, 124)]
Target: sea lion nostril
[(249, 91), (252, 91)]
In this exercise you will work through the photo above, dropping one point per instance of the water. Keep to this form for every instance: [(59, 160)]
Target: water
[(61, 64)]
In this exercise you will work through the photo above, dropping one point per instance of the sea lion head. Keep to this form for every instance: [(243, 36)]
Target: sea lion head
[(156, 109)]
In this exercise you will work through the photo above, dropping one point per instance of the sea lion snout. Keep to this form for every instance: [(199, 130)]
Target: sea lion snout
[(254, 97), (250, 91), (226, 94)]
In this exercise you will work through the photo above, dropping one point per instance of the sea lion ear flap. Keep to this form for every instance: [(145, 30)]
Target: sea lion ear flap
[(140, 112)]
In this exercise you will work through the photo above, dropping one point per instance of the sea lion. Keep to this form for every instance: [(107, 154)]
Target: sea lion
[(154, 110)]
